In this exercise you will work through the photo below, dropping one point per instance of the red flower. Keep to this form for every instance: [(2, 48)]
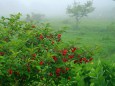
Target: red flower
[(57, 74), (10, 71), (91, 59), (67, 69), (81, 60), (41, 36), (64, 52), (33, 26), (71, 56), (41, 62), (59, 36), (50, 74), (58, 70), (55, 58), (73, 49), (1, 53), (84, 59), (52, 42), (64, 59), (34, 55)]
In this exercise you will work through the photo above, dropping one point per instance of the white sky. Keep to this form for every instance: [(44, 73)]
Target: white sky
[(47, 7)]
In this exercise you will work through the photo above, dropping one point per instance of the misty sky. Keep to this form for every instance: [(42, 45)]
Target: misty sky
[(47, 7)]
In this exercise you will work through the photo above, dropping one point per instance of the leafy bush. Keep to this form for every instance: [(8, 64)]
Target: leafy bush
[(35, 55)]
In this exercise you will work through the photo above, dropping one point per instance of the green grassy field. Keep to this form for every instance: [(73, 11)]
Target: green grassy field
[(92, 33)]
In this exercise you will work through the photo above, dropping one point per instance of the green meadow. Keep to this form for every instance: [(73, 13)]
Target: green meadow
[(98, 34)]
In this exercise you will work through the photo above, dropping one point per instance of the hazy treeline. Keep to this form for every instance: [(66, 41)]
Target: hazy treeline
[(51, 8)]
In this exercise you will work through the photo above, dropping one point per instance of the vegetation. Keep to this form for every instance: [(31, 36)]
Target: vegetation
[(95, 34), (34, 54)]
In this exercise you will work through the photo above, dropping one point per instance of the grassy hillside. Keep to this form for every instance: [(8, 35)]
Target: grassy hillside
[(98, 33)]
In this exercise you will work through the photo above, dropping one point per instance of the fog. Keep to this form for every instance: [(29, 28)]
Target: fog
[(52, 7)]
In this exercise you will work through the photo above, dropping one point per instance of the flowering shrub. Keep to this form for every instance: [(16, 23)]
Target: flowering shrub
[(33, 54)]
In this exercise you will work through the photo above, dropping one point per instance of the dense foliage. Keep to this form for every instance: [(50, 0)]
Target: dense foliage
[(33, 54)]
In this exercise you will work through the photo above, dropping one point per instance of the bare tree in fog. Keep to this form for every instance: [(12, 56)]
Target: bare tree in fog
[(35, 17), (78, 10)]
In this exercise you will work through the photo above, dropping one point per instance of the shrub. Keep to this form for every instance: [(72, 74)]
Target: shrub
[(34, 54)]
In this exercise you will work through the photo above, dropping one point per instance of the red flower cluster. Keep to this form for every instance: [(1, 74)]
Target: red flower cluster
[(1, 53), (90, 59), (50, 74), (55, 58), (59, 36), (67, 69), (10, 71), (34, 55), (52, 42), (41, 63), (83, 60), (64, 52), (58, 71), (64, 59), (41, 37), (71, 56), (73, 49)]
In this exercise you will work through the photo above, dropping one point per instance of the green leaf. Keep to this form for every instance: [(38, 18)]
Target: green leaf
[(1, 57), (38, 67)]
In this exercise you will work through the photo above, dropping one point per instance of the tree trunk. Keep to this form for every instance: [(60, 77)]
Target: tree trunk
[(77, 22)]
